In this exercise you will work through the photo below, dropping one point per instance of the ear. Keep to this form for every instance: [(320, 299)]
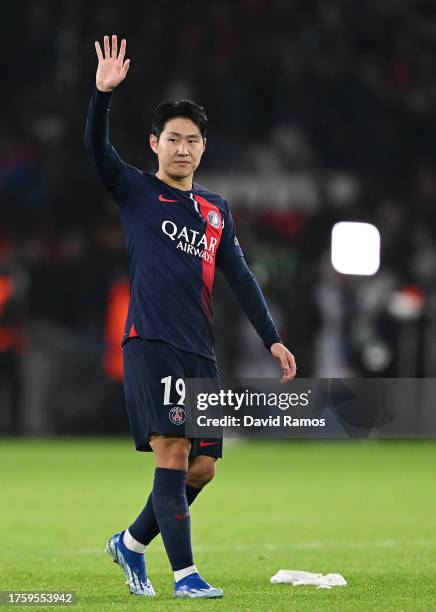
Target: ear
[(204, 145), (154, 143)]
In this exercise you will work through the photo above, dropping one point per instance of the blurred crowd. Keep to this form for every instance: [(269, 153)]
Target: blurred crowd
[(343, 92)]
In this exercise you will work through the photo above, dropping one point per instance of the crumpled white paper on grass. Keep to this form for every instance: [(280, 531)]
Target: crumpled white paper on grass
[(299, 578)]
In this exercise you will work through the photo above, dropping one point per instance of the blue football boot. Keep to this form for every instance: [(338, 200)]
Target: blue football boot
[(194, 586), (132, 564)]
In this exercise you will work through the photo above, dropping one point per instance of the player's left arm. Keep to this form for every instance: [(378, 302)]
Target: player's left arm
[(240, 279), (249, 295)]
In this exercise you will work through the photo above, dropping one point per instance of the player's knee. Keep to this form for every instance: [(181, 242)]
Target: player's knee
[(170, 453), (176, 459), (201, 472)]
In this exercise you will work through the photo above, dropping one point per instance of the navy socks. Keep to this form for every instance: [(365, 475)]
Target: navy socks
[(171, 513), (145, 528)]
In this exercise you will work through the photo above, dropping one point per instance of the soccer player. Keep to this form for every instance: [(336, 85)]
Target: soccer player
[(175, 232)]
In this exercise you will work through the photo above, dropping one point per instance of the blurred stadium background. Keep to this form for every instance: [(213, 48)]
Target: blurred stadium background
[(319, 112)]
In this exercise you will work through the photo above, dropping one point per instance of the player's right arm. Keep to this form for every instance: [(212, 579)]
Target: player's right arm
[(111, 71)]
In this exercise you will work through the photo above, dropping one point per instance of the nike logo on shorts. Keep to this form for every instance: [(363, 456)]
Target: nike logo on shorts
[(203, 443)]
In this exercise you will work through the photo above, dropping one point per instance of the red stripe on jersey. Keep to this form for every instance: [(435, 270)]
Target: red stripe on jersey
[(133, 333), (213, 237)]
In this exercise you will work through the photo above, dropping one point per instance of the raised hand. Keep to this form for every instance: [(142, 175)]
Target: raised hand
[(112, 69)]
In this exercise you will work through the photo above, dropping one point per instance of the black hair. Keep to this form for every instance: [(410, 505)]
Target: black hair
[(169, 109)]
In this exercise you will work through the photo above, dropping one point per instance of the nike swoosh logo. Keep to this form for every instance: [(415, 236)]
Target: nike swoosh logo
[(162, 199), (180, 517), (203, 443)]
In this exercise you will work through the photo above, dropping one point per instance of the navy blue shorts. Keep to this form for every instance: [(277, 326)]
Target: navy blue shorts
[(153, 399)]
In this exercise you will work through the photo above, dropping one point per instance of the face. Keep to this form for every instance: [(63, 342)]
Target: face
[(179, 148)]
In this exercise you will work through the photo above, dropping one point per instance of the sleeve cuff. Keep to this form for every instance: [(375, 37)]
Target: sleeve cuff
[(272, 341), (103, 97)]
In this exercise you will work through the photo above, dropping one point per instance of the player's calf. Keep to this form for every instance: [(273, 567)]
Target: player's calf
[(201, 471)]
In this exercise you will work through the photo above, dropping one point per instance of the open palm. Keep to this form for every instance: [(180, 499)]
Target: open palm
[(112, 69)]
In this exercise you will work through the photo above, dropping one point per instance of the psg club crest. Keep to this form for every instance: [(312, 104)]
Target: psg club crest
[(214, 219), (177, 415)]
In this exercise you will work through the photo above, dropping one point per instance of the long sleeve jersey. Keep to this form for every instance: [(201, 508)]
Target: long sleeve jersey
[(174, 240)]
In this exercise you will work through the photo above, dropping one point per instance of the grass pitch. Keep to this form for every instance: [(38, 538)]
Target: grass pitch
[(365, 509)]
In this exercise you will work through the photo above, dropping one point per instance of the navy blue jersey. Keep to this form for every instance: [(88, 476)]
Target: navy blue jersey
[(174, 239)]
